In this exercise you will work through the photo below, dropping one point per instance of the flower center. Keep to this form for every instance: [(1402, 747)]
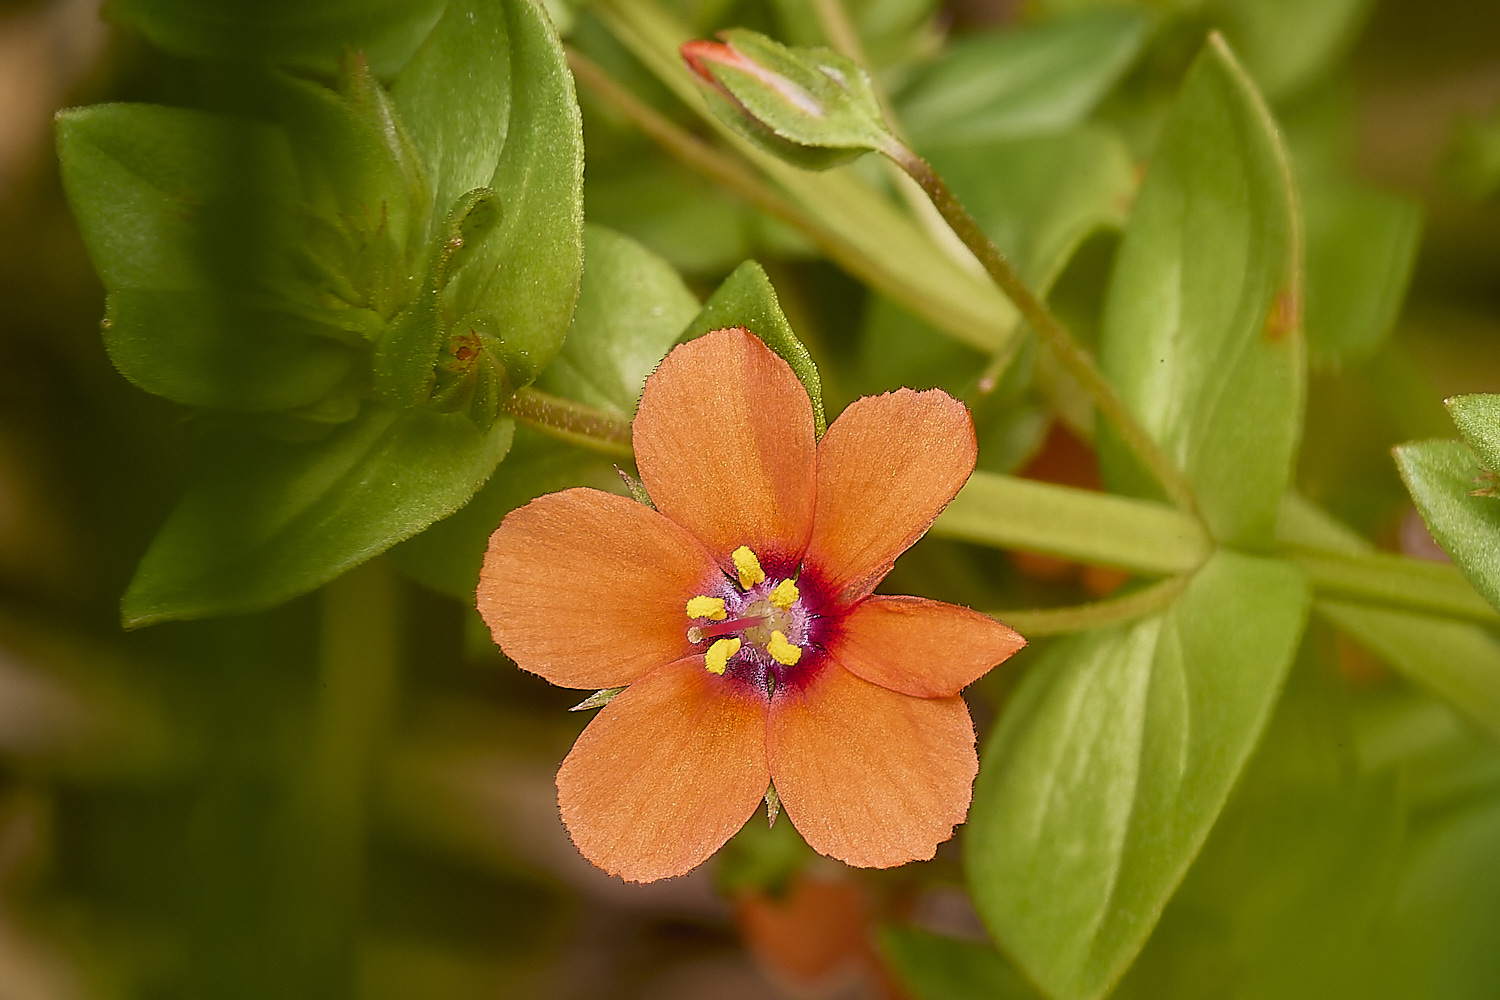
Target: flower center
[(762, 623)]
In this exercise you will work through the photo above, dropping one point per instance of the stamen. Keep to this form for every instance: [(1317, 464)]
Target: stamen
[(716, 660), (711, 608), (747, 566), (785, 595), (782, 651)]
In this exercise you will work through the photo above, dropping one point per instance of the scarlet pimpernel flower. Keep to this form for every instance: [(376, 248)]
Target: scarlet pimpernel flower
[(739, 617)]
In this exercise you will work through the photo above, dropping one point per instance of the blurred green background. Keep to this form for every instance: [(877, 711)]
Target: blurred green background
[(156, 787)]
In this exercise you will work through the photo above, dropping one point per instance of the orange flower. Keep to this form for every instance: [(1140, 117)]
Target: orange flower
[(739, 613)]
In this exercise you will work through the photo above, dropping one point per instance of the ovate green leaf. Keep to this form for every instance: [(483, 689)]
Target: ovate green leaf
[(1022, 81), (306, 33), (268, 522), (1477, 417), (1111, 764), (1201, 333), (1361, 244), (632, 307), (933, 967)]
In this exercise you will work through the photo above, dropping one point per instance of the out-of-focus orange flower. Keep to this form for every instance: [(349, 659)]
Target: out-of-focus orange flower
[(740, 615)]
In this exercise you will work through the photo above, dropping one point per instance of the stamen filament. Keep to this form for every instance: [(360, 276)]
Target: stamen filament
[(724, 628)]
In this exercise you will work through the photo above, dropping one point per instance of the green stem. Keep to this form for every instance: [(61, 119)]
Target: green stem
[(358, 665), (1098, 528), (572, 422), (1394, 581), (1040, 622), (1072, 357)]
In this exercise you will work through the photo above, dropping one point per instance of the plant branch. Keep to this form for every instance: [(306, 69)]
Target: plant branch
[(1041, 622), (1382, 578), (1036, 312), (572, 422)]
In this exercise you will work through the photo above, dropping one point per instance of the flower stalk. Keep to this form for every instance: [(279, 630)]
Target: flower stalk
[(572, 422)]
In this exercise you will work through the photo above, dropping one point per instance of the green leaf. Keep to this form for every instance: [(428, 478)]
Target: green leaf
[(809, 106), (1100, 528), (1022, 81), (1111, 764), (1201, 332), (1288, 44), (1283, 901), (204, 350), (522, 282), (269, 522), (1439, 931), (1477, 417), (1361, 244), (746, 299), (1038, 198), (168, 198), (447, 556), (1458, 662), (933, 967), (1441, 476), (630, 311), (311, 34)]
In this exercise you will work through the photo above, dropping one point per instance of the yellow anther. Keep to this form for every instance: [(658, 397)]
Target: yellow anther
[(717, 657), (785, 594), (781, 651), (747, 566), (711, 608)]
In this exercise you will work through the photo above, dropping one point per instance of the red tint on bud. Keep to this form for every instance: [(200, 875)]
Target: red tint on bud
[(701, 55)]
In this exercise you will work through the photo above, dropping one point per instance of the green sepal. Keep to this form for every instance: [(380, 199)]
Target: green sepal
[(407, 357), (747, 299)]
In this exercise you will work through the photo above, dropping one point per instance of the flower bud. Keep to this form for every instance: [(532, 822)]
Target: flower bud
[(812, 107)]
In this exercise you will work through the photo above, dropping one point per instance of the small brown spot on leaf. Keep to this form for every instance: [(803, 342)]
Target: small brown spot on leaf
[(1283, 315)]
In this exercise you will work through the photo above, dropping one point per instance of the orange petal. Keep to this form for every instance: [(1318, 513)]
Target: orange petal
[(867, 775), (590, 589), (724, 443), (919, 647), (886, 469), (666, 773)]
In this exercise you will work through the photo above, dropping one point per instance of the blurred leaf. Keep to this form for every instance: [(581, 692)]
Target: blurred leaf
[(269, 522), (762, 858), (1201, 333), (1458, 662), (1038, 198), (311, 34), (1287, 44), (1439, 930), (746, 299), (674, 213), (933, 967), (1111, 763), (1282, 901), (1477, 417), (154, 190), (1471, 163), (200, 349), (513, 127), (631, 308), (1441, 476), (1022, 81), (1361, 244)]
